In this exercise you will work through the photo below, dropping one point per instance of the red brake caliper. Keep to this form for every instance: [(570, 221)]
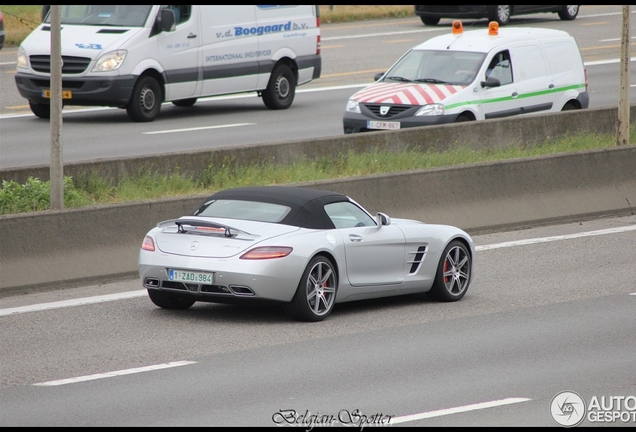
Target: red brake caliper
[(446, 278)]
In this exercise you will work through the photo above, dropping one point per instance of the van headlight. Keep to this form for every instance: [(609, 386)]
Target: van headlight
[(23, 59), (353, 106), (110, 61), (430, 110)]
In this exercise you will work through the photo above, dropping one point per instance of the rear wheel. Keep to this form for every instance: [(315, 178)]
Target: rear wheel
[(430, 21), (169, 301), (316, 292), (40, 110), (281, 88), (501, 14), (568, 107), (184, 102), (462, 118), (454, 273), (569, 12), (146, 99)]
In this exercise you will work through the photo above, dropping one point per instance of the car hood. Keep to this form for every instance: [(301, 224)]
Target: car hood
[(406, 93), (206, 237)]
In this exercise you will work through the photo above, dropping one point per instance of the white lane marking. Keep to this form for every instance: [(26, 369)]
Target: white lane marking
[(198, 128), (461, 409), (74, 302), (115, 373), (141, 293), (556, 238)]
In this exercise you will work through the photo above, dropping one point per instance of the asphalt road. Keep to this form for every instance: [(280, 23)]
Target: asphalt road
[(352, 54), (550, 309)]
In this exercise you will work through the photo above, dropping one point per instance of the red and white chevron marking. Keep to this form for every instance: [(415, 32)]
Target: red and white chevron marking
[(406, 94)]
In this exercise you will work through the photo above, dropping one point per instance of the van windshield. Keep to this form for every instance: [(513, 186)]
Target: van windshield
[(437, 67), (104, 15)]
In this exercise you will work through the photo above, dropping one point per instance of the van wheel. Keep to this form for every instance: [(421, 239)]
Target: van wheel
[(281, 88), (462, 118), (146, 99), (569, 12), (184, 102), (430, 21), (568, 106), (40, 110), (500, 13)]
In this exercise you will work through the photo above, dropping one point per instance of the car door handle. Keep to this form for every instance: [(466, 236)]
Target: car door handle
[(551, 86), (191, 36), (355, 238), (515, 94)]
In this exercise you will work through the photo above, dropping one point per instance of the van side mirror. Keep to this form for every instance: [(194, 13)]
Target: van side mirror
[(383, 219), (378, 76), (168, 20), (490, 82)]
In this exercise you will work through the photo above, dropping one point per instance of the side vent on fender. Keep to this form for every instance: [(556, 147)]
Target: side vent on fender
[(418, 259)]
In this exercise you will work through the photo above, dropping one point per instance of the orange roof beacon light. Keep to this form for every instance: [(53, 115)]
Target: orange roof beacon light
[(493, 28), (458, 28)]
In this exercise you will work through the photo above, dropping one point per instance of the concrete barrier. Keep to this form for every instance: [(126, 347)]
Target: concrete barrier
[(61, 248)]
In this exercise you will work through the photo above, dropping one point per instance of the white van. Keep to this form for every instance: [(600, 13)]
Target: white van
[(473, 75), (138, 56)]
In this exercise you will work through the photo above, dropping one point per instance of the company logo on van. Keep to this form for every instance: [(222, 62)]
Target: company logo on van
[(406, 94), (276, 28)]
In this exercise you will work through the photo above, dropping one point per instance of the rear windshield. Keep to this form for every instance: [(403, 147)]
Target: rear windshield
[(246, 210)]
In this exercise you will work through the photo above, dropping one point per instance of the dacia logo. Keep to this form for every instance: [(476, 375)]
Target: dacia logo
[(384, 110)]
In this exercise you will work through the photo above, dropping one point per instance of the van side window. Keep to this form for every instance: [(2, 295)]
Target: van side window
[(500, 68), (181, 13)]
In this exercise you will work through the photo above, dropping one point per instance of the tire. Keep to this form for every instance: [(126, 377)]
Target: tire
[(454, 273), (145, 103), (184, 102), (169, 301), (281, 88), (501, 14), (429, 21), (463, 118), (569, 12), (316, 292), (568, 107), (42, 111)]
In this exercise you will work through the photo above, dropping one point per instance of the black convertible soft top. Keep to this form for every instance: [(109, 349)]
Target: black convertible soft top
[(307, 205)]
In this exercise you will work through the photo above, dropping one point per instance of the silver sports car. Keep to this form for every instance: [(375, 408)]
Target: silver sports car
[(306, 249)]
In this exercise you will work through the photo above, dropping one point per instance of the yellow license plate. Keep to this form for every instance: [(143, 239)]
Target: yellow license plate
[(66, 94)]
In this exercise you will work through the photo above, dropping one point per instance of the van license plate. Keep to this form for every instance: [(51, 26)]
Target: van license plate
[(66, 94), (190, 276), (382, 125)]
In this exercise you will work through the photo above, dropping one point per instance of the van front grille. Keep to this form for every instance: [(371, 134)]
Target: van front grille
[(393, 110), (70, 64)]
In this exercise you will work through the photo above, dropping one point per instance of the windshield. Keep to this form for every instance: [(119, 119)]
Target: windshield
[(104, 15), (437, 67)]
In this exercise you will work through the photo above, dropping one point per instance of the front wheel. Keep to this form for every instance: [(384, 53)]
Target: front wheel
[(501, 14), (281, 88), (40, 110), (316, 292), (569, 12), (146, 99), (429, 21), (169, 301), (454, 273)]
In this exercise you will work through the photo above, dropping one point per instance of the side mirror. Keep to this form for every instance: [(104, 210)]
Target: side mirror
[(167, 18), (490, 82), (378, 76), (383, 219)]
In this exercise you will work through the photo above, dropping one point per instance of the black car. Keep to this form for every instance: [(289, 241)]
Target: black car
[(1, 30), (432, 14)]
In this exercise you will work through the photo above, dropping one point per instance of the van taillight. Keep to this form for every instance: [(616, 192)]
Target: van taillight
[(585, 72), (318, 45)]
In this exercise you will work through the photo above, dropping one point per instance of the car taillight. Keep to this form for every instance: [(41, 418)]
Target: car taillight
[(267, 252), (148, 244)]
